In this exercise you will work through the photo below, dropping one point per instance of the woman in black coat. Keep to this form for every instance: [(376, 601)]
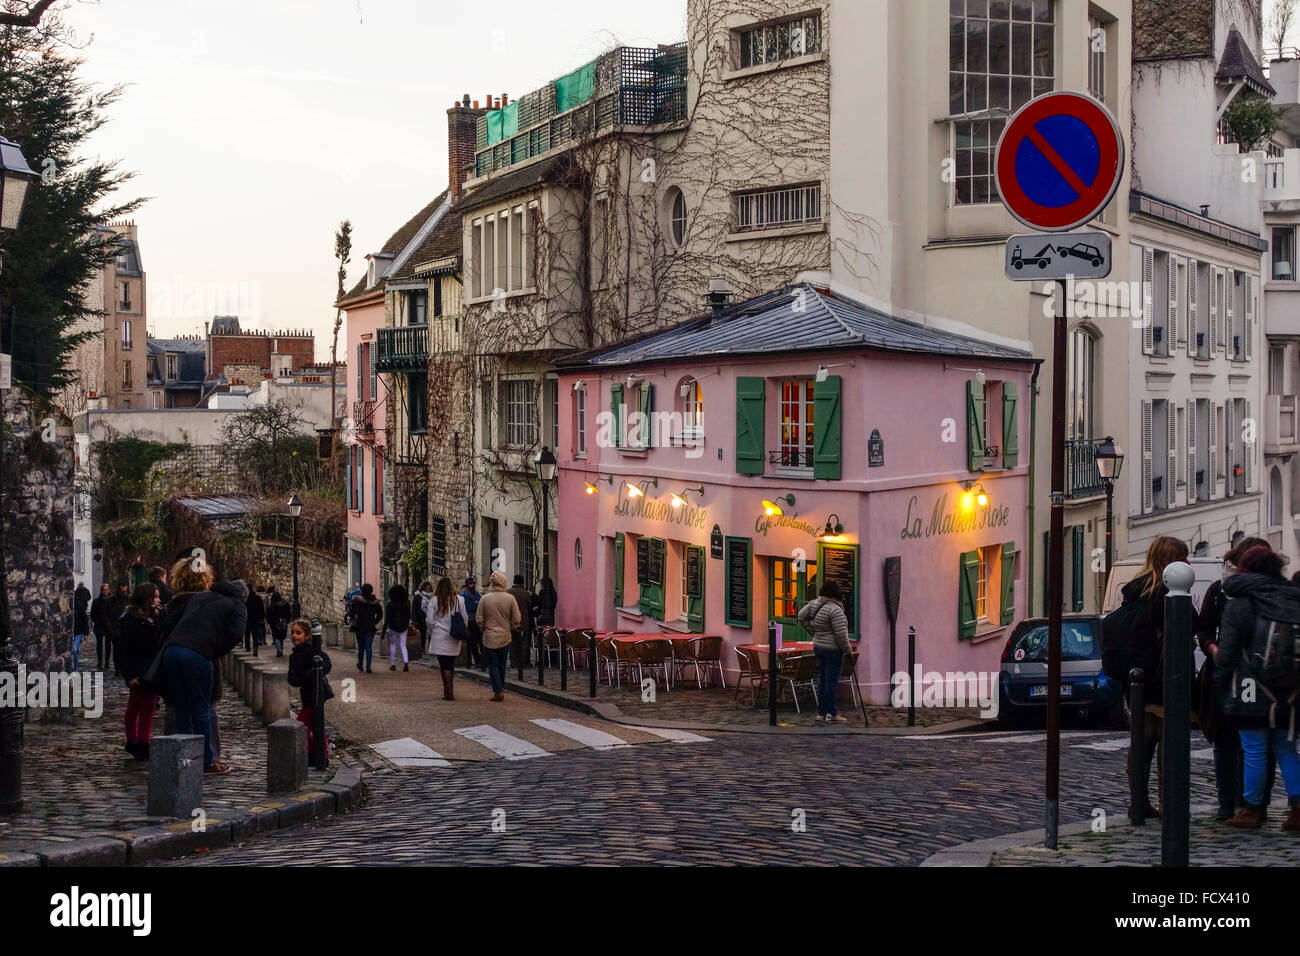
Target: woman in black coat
[(137, 646)]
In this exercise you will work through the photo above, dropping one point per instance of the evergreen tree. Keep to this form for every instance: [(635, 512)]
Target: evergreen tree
[(50, 111)]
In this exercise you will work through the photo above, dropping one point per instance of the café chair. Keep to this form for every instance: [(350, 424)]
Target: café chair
[(579, 642), (797, 671), (703, 654), (654, 654), (751, 669)]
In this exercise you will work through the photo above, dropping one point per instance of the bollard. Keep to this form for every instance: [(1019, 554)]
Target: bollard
[(1176, 728), (286, 756), (564, 664), (911, 677), (591, 664), (275, 696), (771, 673), (175, 775), (517, 648), (255, 703), (319, 754), (1137, 745), (540, 641)]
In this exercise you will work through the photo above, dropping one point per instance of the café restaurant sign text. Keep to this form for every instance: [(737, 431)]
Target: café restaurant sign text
[(952, 521), (764, 524), (652, 510)]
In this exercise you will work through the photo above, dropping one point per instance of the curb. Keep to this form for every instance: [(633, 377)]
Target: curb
[(612, 713), (981, 852)]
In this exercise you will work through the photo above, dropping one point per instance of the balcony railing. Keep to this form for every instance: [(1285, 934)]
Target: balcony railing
[(363, 415), (1081, 477), (790, 458), (405, 348)]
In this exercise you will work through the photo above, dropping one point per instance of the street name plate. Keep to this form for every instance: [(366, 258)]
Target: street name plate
[(6, 371), (1036, 257)]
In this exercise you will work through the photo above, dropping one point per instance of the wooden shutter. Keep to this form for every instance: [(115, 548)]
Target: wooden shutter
[(361, 373), (1007, 607), (1212, 464), (826, 429), (374, 372), (620, 548), (1231, 336), (645, 405), (1171, 456), (967, 586), (1148, 301), (695, 602), (750, 393), (1171, 315), (379, 482), (1010, 426), (1215, 274), (616, 412), (1193, 323), (1191, 452), (1148, 499), (1248, 283), (1077, 564), (975, 425)]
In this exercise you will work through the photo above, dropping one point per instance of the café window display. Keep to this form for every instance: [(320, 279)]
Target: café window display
[(789, 589)]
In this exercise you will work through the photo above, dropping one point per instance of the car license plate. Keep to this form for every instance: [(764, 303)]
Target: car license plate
[(1040, 690)]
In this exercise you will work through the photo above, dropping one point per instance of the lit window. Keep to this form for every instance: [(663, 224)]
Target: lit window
[(693, 412), (796, 425), (982, 583)]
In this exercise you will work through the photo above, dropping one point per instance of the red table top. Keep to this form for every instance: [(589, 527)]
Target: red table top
[(675, 638), (788, 647)]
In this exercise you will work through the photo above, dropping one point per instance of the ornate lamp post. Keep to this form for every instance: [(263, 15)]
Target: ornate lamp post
[(15, 178), (546, 474), (295, 509), (1110, 461)]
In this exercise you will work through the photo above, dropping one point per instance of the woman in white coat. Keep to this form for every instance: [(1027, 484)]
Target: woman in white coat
[(448, 627)]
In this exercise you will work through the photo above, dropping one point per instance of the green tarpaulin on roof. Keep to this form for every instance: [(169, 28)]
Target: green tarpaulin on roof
[(575, 88), (502, 123)]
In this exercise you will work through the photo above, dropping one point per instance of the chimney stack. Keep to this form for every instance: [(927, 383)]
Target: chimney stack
[(462, 141)]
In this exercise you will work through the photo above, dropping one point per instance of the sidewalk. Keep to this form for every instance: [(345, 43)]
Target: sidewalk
[(85, 799)]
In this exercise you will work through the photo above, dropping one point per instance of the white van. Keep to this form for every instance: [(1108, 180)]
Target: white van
[(1208, 570)]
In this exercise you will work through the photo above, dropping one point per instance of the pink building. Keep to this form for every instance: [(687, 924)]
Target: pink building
[(714, 474), (363, 434)]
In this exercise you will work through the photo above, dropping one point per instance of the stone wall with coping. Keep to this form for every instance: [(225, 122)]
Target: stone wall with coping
[(322, 578)]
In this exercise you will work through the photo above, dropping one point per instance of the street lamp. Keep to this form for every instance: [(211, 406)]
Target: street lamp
[(546, 474), (295, 509), (1110, 462), (15, 178)]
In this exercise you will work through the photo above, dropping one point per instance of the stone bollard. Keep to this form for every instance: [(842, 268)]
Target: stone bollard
[(349, 639), (275, 696), (175, 775), (331, 635), (255, 703), (245, 677), (286, 756)]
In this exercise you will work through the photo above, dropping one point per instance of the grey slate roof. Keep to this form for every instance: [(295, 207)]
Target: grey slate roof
[(770, 324), (159, 346), (216, 507), (1238, 63)]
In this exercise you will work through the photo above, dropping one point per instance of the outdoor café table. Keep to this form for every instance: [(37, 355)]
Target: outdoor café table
[(789, 647)]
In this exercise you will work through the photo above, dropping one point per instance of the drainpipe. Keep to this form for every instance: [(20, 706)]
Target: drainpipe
[(1033, 444)]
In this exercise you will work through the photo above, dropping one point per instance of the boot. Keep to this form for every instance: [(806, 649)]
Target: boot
[(498, 696), (1292, 821), (446, 686), (1247, 818)]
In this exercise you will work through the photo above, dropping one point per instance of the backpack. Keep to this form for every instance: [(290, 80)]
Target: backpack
[(1123, 632), (1274, 656)]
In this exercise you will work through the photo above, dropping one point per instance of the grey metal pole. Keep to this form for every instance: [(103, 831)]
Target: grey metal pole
[(911, 677), (319, 757), (771, 673), (1176, 729), (1056, 570), (1137, 745)]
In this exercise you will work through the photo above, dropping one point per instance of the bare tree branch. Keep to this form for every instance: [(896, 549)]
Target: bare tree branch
[(28, 19)]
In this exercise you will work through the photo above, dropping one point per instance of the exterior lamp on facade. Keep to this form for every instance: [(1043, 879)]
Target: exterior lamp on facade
[(833, 529), (638, 491), (974, 495), (773, 510), (679, 498), (593, 489), (824, 371)]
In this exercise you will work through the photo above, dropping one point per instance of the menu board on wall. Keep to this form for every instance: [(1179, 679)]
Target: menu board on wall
[(642, 560), (841, 566), (739, 567), (655, 560), (695, 572)]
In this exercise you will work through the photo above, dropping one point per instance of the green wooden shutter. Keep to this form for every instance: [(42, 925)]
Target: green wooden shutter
[(374, 372), (695, 603), (619, 548), (826, 429), (645, 405), (967, 586), (1010, 426), (750, 416), (347, 480), (975, 425), (1076, 593), (616, 409), (1008, 605), (651, 599)]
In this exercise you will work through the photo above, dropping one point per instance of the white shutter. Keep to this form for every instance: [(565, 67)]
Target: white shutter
[(1148, 304), (1171, 318), (1229, 448), (1212, 462), (1230, 314), (1191, 452), (1249, 283), (1148, 500), (1215, 274), (1171, 457), (1192, 324), (1248, 452)]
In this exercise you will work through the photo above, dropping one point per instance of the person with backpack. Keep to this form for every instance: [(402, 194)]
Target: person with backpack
[(1133, 635), (1258, 658), (398, 615), (278, 615), (448, 622), (1216, 725), (825, 619), (472, 597), (367, 612)]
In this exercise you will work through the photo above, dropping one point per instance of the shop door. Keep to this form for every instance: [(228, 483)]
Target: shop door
[(695, 565), (789, 589)]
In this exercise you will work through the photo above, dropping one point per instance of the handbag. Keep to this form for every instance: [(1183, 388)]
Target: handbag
[(459, 630)]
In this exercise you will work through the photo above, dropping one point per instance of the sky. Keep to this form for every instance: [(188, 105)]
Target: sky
[(256, 126)]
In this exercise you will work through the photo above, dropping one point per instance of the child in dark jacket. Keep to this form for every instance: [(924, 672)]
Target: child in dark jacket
[(300, 672)]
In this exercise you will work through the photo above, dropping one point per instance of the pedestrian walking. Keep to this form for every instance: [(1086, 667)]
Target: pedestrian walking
[(80, 621), (420, 613), (367, 612), (472, 597), (158, 578), (498, 616), (544, 604), (397, 617), (255, 629), (1259, 677), (278, 615), (523, 635), (1218, 726), (101, 614), (825, 619), (204, 622), (448, 625), (301, 662), (136, 649)]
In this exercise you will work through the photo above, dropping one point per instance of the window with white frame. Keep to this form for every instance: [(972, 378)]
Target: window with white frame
[(796, 423), (692, 412), (553, 404), (501, 250), (1002, 53), (171, 368), (677, 217), (126, 334), (519, 412), (525, 554), (784, 40), (1080, 364), (580, 429), (774, 208), (1097, 59)]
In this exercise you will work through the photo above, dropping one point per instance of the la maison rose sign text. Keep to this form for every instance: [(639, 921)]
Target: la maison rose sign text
[(652, 510), (951, 520)]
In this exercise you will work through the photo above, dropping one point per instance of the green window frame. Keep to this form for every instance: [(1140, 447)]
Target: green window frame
[(967, 588), (645, 406), (616, 411), (851, 606), (1010, 425), (797, 589), (1007, 601), (650, 597), (620, 553), (827, 429), (695, 603)]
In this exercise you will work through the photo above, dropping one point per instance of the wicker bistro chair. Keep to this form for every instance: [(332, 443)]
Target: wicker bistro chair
[(654, 654), (751, 669), (797, 671), (550, 640), (702, 654), (578, 641), (607, 658)]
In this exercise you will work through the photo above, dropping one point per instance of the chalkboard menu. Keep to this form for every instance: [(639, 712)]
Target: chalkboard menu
[(642, 560), (695, 572), (739, 566), (655, 560), (841, 566)]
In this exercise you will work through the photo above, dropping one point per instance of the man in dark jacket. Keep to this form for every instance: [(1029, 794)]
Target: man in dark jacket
[(158, 578), (472, 596), (80, 621), (367, 612), (523, 637), (278, 614), (255, 630)]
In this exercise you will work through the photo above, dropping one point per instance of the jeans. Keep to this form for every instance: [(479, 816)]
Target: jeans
[(103, 650), (139, 715), (365, 649), (496, 658), (1229, 775), (829, 665), (76, 648), (189, 682), (254, 636), (1255, 747)]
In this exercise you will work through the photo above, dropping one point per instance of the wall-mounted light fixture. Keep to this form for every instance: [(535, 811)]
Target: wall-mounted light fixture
[(833, 530), (580, 385), (824, 371), (638, 490), (592, 489), (679, 498), (973, 495), (773, 510), (979, 372)]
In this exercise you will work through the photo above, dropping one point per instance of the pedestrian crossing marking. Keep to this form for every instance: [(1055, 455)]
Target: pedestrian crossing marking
[(407, 752), (501, 743), (676, 736), (587, 736), (1109, 746)]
